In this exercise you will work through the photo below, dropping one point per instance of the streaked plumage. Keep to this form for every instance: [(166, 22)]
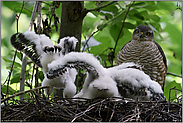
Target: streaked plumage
[(144, 51)]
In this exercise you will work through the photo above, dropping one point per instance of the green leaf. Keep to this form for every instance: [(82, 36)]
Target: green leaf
[(11, 90), (139, 3), (145, 14), (110, 8), (45, 8), (151, 3), (132, 12), (166, 6), (115, 30), (138, 16), (7, 59), (123, 40), (129, 25), (105, 39), (16, 6), (154, 18), (169, 91), (150, 7), (101, 26), (90, 4), (41, 75), (119, 17), (15, 78), (19, 55)]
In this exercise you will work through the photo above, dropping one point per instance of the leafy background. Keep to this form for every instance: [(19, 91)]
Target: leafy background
[(164, 17)]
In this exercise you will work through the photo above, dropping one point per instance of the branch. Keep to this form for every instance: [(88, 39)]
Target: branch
[(17, 18), (24, 60), (88, 109), (33, 16), (10, 73), (52, 12), (38, 31), (178, 7), (23, 92), (39, 17), (100, 7), (173, 74), (101, 27), (122, 26)]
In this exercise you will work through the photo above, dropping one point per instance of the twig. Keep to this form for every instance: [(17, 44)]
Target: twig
[(38, 31), (52, 12), (17, 18), (10, 73), (173, 74), (64, 110), (122, 28), (33, 16), (100, 7), (112, 112), (101, 28), (133, 115), (88, 109), (23, 92), (106, 24), (82, 113), (39, 17), (178, 7), (23, 74), (24, 60)]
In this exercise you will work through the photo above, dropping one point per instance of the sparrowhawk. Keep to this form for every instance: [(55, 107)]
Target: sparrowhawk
[(144, 51), (40, 49), (122, 80)]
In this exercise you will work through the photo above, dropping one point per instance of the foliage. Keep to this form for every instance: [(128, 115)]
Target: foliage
[(104, 25)]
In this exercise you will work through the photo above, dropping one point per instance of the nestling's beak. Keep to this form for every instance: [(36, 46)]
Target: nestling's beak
[(141, 34)]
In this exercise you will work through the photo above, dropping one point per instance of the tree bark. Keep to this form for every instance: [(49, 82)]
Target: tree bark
[(72, 17), (71, 20)]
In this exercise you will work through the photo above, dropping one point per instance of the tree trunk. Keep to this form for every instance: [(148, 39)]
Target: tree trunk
[(71, 25), (71, 20)]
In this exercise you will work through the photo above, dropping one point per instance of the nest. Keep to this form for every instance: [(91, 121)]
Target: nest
[(41, 108)]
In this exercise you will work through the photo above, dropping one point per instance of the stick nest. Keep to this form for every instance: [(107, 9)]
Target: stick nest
[(40, 108)]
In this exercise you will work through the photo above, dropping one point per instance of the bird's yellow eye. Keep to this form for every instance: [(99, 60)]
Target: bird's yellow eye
[(137, 31), (147, 33)]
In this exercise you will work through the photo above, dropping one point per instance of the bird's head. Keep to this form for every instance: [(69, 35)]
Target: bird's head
[(143, 33)]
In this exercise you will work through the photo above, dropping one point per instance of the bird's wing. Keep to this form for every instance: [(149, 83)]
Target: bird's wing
[(68, 44), (31, 44), (164, 61), (134, 83), (162, 53), (84, 61)]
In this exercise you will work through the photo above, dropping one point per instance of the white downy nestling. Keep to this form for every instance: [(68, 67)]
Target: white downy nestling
[(122, 80), (40, 49)]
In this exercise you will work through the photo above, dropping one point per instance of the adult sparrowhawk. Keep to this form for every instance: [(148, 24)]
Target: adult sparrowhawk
[(144, 51)]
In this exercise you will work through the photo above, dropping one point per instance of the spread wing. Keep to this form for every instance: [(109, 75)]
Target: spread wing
[(126, 78), (97, 82), (84, 61), (40, 49), (31, 44)]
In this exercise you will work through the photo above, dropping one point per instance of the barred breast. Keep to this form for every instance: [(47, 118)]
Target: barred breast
[(147, 55)]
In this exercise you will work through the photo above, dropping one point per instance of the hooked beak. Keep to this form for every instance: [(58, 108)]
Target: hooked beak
[(141, 34)]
